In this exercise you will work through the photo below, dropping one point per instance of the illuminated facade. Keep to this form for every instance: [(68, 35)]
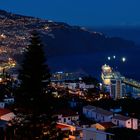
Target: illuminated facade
[(113, 81), (117, 89), (63, 76), (106, 74)]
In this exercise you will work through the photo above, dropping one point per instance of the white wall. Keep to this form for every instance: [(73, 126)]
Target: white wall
[(131, 123), (96, 116), (93, 134), (2, 104), (67, 120), (88, 113), (103, 118), (9, 100), (7, 117), (135, 124)]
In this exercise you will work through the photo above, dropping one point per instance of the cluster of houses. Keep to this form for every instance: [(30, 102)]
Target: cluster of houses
[(104, 116), (70, 121), (102, 119), (73, 85)]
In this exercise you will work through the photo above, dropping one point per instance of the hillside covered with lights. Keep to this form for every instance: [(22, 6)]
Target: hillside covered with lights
[(70, 48)]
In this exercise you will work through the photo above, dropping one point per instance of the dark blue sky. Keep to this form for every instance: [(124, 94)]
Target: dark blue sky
[(79, 12)]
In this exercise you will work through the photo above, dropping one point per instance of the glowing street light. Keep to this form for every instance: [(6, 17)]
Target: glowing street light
[(109, 58), (114, 57), (123, 59)]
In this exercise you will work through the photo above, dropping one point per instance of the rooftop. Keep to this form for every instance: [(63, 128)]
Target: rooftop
[(107, 125), (97, 131), (99, 110), (121, 117), (90, 107), (4, 111), (104, 112), (61, 126)]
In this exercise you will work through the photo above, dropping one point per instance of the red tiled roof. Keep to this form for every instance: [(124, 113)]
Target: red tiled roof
[(4, 111), (60, 126), (107, 124)]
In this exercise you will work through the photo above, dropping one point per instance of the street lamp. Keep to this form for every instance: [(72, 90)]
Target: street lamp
[(123, 59), (109, 58)]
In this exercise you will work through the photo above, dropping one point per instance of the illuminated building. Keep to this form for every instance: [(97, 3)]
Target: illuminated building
[(106, 74), (64, 76), (113, 82), (117, 88)]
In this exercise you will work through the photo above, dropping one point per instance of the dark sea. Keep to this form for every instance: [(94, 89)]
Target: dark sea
[(131, 68), (91, 63)]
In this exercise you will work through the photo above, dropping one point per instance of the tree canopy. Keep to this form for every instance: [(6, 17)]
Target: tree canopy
[(34, 73)]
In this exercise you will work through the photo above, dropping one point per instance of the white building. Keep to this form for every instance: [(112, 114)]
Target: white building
[(67, 117), (117, 88), (101, 115), (88, 111), (97, 114), (113, 81), (93, 134), (80, 85), (123, 121), (9, 100), (85, 86)]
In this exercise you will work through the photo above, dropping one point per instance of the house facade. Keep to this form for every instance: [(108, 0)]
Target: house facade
[(123, 121), (93, 134), (67, 117), (97, 114)]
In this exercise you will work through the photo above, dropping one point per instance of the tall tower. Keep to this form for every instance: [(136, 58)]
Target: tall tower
[(117, 88), (113, 81)]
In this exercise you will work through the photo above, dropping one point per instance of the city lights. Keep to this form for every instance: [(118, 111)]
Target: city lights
[(109, 58), (123, 59), (114, 57)]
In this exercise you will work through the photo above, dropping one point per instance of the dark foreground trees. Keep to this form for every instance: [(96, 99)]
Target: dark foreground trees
[(124, 134), (34, 74), (34, 102)]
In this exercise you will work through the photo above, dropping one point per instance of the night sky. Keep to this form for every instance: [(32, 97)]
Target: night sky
[(79, 12)]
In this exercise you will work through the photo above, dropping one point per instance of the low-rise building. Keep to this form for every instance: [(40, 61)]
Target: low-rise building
[(93, 134), (88, 111), (97, 114), (123, 121), (67, 116)]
